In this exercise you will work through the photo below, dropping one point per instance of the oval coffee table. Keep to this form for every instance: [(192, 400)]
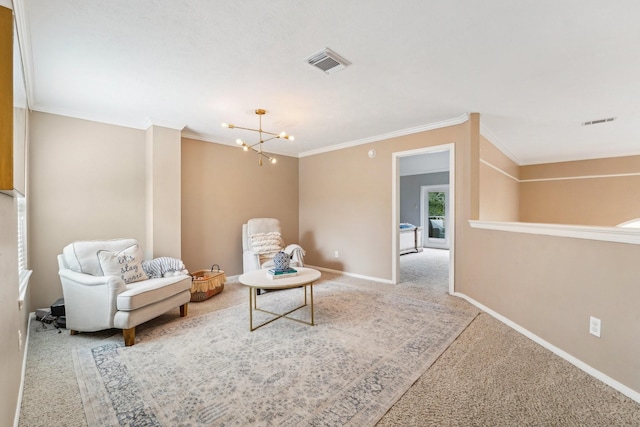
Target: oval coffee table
[(259, 279)]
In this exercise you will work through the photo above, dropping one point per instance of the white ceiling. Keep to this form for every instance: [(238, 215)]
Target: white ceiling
[(424, 163), (534, 70)]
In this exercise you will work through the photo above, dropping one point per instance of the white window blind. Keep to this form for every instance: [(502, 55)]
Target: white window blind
[(22, 238)]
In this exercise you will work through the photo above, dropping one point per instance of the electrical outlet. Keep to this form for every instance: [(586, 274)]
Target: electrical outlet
[(594, 326), (336, 254), (19, 340)]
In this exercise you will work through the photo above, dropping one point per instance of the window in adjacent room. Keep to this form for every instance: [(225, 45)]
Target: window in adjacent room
[(434, 217)]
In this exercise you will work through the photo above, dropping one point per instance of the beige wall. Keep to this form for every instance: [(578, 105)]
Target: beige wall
[(223, 187), (339, 200), (548, 285), (13, 315), (589, 192), (87, 181), (345, 203), (163, 192), (20, 124), (499, 186), (551, 285), (13, 318)]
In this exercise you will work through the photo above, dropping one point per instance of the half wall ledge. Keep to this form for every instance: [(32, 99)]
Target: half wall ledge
[(606, 234)]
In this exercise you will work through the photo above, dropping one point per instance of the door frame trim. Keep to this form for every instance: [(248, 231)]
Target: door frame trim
[(395, 208)]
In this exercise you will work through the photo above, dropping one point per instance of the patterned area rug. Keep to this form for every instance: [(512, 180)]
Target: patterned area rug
[(367, 348)]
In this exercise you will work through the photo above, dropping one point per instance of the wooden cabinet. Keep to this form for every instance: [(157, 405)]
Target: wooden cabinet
[(6, 99)]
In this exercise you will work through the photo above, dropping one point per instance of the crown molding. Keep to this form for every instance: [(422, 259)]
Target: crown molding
[(24, 44), (493, 139), (98, 118), (402, 132), (169, 125), (208, 138), (573, 158), (202, 137), (90, 117), (431, 126)]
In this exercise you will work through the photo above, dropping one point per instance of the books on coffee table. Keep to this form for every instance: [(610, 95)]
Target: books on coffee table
[(272, 273)]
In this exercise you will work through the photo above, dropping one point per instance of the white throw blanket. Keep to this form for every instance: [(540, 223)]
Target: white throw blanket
[(164, 267), (269, 244), (296, 253)]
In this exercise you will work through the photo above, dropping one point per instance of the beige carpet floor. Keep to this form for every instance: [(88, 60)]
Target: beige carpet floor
[(494, 376), (490, 376)]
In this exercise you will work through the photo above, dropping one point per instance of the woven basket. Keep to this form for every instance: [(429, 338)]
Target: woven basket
[(206, 283)]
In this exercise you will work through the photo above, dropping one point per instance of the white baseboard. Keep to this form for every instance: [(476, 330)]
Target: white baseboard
[(359, 276), (630, 393), (328, 270), (16, 418)]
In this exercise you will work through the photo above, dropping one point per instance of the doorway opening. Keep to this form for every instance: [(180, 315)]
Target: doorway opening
[(437, 222)]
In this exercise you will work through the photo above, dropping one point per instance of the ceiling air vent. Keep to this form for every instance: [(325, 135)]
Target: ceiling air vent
[(596, 122), (328, 61)]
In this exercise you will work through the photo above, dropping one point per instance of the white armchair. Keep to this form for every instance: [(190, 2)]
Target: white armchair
[(105, 287), (261, 240)]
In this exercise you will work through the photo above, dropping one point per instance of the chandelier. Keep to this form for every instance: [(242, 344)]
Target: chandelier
[(269, 137)]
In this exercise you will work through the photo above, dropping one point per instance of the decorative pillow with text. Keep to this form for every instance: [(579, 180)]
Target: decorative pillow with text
[(126, 264)]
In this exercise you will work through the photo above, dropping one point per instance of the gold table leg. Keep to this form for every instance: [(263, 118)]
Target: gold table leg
[(253, 306), (251, 291), (305, 297)]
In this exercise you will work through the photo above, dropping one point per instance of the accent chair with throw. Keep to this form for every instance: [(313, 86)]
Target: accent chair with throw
[(261, 240), (105, 286)]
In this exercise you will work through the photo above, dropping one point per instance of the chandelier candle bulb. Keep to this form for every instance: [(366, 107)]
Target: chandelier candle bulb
[(270, 135)]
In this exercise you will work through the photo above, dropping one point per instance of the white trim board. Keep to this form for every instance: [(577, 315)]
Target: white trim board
[(605, 234), (564, 178), (496, 168), (490, 136), (630, 393), (395, 207), (402, 132), (561, 178), (358, 276), (329, 270), (16, 419), (23, 33)]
